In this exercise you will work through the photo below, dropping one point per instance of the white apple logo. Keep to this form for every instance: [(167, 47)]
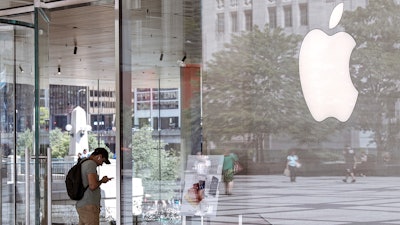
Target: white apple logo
[(324, 72)]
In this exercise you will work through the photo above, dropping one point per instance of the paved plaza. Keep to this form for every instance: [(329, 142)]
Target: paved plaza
[(272, 199)]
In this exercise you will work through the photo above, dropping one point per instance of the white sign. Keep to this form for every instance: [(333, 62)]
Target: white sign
[(202, 178)]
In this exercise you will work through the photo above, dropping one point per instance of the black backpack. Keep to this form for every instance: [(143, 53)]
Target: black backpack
[(73, 182)]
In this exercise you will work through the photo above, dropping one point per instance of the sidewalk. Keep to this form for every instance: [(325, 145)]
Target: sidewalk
[(272, 199)]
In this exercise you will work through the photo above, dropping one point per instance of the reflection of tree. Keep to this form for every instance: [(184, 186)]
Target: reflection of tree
[(94, 142), (150, 157), (24, 142), (252, 89), (59, 143), (375, 68), (158, 168), (44, 116)]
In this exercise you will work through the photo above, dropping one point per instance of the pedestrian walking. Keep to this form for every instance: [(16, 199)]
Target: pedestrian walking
[(228, 170), (350, 163), (293, 164)]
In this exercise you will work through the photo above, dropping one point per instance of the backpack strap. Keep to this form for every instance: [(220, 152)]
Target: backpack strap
[(80, 162)]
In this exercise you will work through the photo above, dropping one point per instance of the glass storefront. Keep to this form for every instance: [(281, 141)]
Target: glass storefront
[(177, 91)]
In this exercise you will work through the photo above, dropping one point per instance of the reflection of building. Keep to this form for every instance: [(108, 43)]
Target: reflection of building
[(157, 107), (10, 104), (64, 98), (223, 19), (294, 16)]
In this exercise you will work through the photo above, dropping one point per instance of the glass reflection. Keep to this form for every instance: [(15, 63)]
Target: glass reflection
[(210, 77), (16, 129)]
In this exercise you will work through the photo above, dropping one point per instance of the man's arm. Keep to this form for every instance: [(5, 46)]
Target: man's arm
[(94, 183)]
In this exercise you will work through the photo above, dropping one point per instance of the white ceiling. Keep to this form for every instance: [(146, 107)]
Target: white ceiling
[(91, 28)]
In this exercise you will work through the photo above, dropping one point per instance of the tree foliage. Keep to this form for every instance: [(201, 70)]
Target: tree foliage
[(94, 142), (252, 88), (151, 161), (251, 78), (44, 116), (59, 143), (375, 67), (24, 142)]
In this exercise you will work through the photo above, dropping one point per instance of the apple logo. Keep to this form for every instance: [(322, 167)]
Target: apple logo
[(324, 72)]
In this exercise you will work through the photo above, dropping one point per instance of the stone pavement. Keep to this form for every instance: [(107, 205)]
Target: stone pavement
[(272, 199)]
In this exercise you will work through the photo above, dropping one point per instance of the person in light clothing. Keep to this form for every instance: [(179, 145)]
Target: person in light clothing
[(293, 164)]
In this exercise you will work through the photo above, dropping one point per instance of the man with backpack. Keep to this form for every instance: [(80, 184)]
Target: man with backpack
[(88, 207)]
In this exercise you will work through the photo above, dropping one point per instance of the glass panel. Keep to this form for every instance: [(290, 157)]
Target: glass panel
[(192, 97), (25, 122), (16, 115), (250, 106), (8, 165), (78, 99), (41, 156), (152, 102)]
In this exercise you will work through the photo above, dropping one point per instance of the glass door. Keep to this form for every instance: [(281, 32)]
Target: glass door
[(16, 121), (159, 94), (40, 156)]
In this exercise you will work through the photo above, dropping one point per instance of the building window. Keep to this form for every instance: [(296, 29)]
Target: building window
[(220, 4), (234, 21), (288, 15), (143, 106), (220, 23), (165, 122), (303, 14), (272, 17), (249, 20)]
